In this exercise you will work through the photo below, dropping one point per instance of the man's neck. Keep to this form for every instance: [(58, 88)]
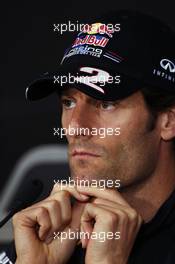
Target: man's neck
[(147, 197)]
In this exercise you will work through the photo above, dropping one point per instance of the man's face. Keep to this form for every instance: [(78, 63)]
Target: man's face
[(130, 157)]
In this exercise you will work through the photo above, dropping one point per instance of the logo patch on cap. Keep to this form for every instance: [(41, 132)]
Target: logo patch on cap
[(166, 71), (82, 50), (91, 40), (167, 65), (98, 28), (97, 75)]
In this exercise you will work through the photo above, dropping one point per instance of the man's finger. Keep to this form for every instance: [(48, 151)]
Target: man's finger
[(72, 191), (108, 194)]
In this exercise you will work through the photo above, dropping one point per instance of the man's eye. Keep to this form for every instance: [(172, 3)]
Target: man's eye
[(107, 105), (68, 103)]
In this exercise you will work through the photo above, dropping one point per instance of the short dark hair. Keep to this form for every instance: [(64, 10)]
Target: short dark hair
[(158, 100)]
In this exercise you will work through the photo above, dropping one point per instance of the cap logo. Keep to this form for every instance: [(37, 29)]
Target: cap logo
[(167, 65), (96, 77), (98, 28)]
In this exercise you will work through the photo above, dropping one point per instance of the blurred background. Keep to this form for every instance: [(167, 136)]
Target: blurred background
[(30, 47)]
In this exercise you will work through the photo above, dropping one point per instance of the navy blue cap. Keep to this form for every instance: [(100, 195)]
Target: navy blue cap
[(113, 57)]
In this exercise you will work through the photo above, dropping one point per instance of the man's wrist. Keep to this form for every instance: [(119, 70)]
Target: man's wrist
[(108, 262)]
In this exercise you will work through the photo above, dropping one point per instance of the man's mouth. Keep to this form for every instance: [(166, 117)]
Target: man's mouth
[(83, 153)]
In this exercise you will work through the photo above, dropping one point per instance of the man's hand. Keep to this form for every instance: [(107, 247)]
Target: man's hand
[(34, 228), (107, 214)]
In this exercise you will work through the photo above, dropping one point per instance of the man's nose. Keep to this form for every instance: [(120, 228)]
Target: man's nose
[(82, 120)]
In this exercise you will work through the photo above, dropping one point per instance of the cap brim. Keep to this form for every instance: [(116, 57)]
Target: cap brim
[(47, 85), (40, 88)]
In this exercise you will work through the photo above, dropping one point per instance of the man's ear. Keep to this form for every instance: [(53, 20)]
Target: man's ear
[(168, 124)]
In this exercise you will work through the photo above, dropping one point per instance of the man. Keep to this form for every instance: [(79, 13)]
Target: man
[(139, 216)]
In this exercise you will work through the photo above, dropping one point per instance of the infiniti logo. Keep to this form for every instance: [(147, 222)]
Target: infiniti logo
[(167, 65)]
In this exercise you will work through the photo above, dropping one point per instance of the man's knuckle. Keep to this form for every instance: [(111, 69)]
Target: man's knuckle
[(42, 211), (122, 214), (60, 195), (46, 226), (64, 194), (111, 218), (133, 215), (54, 204), (56, 188)]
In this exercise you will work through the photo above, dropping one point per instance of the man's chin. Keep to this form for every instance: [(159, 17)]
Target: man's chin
[(82, 178)]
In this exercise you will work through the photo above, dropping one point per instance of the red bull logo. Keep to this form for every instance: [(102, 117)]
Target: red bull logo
[(99, 28), (91, 40)]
